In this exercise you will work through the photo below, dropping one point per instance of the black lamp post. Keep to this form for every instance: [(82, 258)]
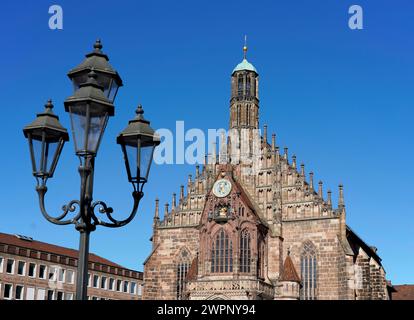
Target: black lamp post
[(89, 107)]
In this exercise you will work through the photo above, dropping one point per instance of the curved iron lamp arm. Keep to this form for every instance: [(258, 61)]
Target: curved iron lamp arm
[(104, 209), (70, 207)]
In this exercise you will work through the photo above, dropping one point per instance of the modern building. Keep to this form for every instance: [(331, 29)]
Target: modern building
[(259, 229), (34, 270)]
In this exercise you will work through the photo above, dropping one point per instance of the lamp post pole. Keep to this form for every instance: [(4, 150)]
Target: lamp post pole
[(96, 84)]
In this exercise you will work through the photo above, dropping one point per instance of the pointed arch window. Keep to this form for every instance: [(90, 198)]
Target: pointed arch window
[(261, 258), (182, 267), (309, 272), (245, 252), (222, 253), (240, 85), (248, 86)]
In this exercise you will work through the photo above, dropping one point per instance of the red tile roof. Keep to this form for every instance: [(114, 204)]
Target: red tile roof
[(403, 292), (13, 240), (289, 272)]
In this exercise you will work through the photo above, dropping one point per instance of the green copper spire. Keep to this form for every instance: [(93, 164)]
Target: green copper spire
[(245, 65)]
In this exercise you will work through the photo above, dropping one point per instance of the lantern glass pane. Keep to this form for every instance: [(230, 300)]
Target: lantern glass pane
[(139, 161), (78, 80), (78, 123), (44, 155), (37, 152), (87, 128), (96, 129), (145, 161), (131, 153), (112, 91)]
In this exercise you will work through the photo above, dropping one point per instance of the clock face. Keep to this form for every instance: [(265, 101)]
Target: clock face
[(222, 188)]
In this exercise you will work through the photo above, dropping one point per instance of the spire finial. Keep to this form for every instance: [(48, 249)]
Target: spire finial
[(97, 45), (320, 190), (173, 204), (245, 47), (329, 201), (341, 202), (311, 180), (157, 213)]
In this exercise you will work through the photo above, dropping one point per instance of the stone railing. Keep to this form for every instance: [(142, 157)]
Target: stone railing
[(230, 285)]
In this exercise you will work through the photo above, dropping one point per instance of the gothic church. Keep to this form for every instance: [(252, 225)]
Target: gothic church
[(272, 234)]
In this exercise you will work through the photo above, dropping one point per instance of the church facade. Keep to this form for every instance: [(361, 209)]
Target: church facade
[(257, 229)]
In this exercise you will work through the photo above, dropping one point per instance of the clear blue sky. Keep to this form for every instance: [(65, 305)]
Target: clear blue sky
[(341, 100)]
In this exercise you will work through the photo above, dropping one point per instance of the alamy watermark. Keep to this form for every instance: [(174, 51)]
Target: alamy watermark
[(195, 146)]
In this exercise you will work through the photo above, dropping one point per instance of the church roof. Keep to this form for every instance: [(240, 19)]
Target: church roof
[(289, 272), (244, 65)]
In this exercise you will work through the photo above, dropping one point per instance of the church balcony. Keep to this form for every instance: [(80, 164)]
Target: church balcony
[(243, 289)]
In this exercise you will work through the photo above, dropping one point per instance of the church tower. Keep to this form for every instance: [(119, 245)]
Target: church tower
[(244, 101)]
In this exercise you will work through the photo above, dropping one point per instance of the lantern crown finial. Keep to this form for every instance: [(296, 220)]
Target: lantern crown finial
[(49, 104), (139, 110), (98, 45)]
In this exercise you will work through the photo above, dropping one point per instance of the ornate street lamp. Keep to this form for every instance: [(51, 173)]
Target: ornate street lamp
[(46, 137), (108, 77), (89, 109)]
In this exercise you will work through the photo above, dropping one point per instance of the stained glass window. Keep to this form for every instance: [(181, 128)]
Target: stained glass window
[(309, 272), (222, 253), (245, 252)]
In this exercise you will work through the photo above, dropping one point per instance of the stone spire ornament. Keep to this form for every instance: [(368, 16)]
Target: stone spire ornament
[(329, 200), (173, 204), (311, 180), (341, 202), (320, 190), (157, 209), (294, 161)]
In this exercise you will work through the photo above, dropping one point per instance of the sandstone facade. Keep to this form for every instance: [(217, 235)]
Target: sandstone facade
[(235, 246)]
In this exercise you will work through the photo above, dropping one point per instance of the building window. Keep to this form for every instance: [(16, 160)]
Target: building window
[(261, 259), (308, 272), (89, 279), (245, 252), (59, 295), (103, 282), (126, 284), (240, 85), (69, 296), (70, 276), (95, 281), (8, 291), (111, 284), (1, 264), (61, 275), (21, 268), (30, 293), (52, 273), (248, 86), (133, 288), (19, 292), (32, 270), (140, 290), (10, 266), (222, 253), (182, 269), (42, 272), (40, 294), (118, 285), (50, 294)]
